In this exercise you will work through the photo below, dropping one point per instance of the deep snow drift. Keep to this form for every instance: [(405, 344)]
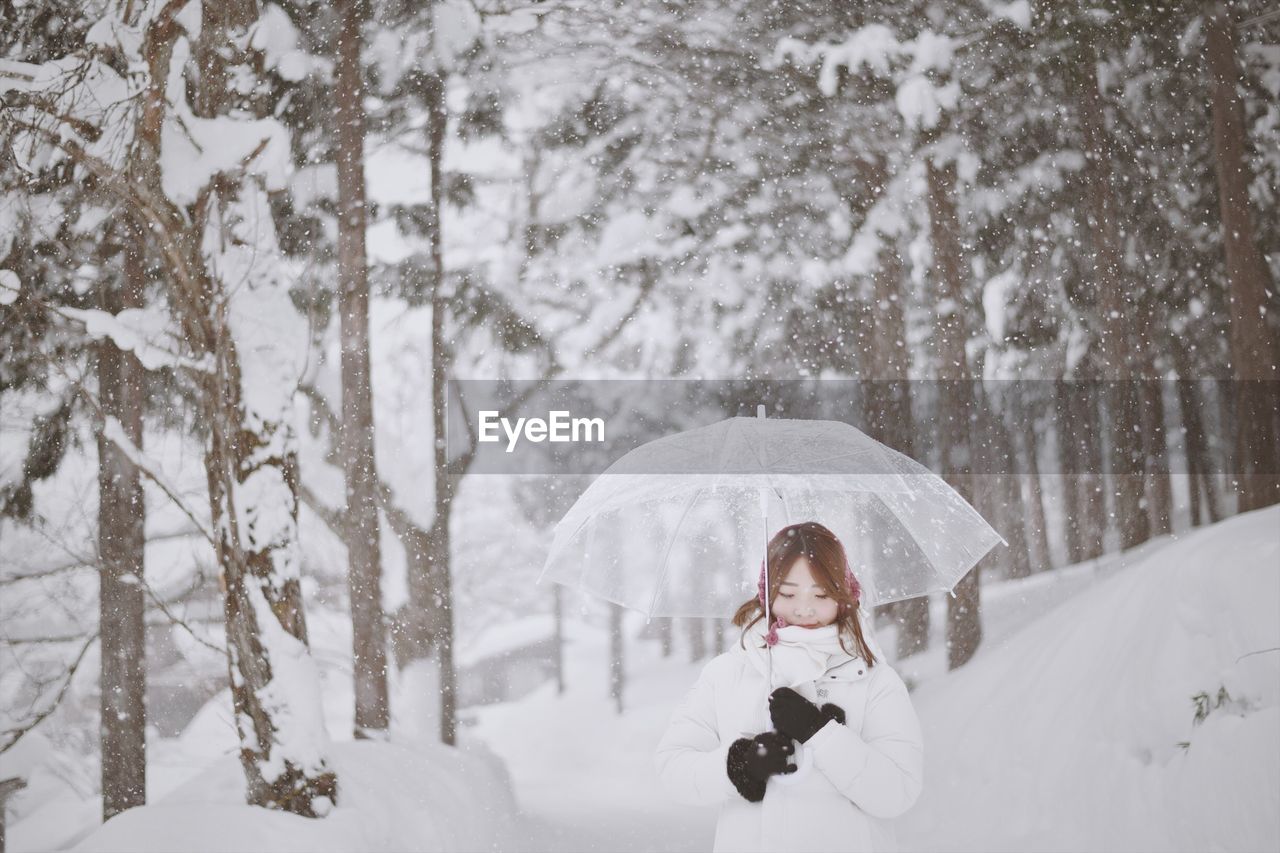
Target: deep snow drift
[(391, 797), (1080, 732)]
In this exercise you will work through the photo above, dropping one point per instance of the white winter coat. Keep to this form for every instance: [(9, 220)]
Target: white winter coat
[(850, 780)]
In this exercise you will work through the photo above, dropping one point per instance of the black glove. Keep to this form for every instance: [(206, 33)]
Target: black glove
[(797, 717), (753, 760)]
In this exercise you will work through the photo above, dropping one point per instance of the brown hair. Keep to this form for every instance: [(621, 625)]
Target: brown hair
[(827, 558)]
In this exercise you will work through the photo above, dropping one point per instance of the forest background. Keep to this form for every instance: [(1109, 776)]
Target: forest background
[(243, 247)]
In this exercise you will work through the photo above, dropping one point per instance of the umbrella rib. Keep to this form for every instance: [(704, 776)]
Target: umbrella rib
[(666, 555), (724, 449)]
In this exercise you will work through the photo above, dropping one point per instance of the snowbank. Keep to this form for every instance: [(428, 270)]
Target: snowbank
[(1080, 732), (391, 797)]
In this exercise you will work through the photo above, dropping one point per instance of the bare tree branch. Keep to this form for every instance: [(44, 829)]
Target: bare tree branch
[(12, 736), (164, 608), (333, 518)]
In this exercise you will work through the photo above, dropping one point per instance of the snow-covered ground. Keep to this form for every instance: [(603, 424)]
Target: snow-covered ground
[(1074, 728), (391, 797), (1078, 731), (1063, 733)]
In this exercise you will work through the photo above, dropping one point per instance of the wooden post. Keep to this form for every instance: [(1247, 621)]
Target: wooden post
[(8, 787)]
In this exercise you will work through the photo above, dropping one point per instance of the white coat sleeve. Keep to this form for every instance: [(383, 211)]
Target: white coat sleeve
[(881, 770), (692, 757)]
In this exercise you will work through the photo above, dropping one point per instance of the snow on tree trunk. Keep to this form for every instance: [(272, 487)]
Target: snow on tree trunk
[(1253, 352), (237, 296), (253, 490)]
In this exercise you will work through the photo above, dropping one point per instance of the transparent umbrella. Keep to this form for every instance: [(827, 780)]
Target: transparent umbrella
[(678, 526)]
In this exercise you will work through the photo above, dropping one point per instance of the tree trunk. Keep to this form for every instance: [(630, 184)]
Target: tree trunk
[(1073, 492), (1115, 308), (956, 404), (1007, 465), (1026, 415), (253, 491), (616, 656), (441, 359), (1195, 445), (364, 565), (1253, 352), (666, 638), (697, 639), (416, 630), (558, 621), (1080, 458), (1194, 476), (888, 410), (251, 458), (1090, 407), (1159, 488), (986, 475), (121, 543)]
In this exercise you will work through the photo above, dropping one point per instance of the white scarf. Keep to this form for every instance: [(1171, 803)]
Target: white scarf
[(801, 654)]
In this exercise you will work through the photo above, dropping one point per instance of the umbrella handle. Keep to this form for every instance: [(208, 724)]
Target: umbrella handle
[(768, 612), (764, 519)]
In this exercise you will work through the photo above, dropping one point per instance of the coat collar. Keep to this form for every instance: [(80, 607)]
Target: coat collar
[(853, 669)]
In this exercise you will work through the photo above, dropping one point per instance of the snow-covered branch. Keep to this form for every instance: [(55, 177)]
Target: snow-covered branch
[(138, 330)]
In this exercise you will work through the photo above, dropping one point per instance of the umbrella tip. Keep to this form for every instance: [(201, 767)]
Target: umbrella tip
[(760, 410)]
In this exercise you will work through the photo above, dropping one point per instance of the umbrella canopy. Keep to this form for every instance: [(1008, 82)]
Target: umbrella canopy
[(676, 528)]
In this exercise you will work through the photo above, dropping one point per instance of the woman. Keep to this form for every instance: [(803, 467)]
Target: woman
[(822, 758)]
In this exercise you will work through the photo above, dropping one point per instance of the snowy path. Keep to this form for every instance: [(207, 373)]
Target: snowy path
[(583, 775), (613, 830)]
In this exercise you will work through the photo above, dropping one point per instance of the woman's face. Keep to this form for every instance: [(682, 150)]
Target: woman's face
[(802, 600)]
